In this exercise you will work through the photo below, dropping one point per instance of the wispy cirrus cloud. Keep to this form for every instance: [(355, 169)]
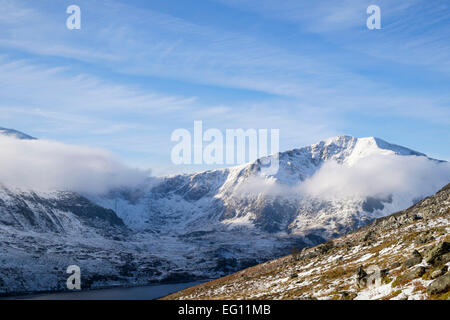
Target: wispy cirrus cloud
[(61, 103), (413, 32), (54, 87), (146, 42)]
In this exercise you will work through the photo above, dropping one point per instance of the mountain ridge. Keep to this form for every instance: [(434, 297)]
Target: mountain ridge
[(187, 226), (16, 134), (221, 185)]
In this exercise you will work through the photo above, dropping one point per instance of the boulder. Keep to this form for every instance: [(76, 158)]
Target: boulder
[(439, 272), (441, 260), (425, 239), (361, 278), (416, 273), (360, 273), (345, 295), (412, 261), (437, 251), (416, 254), (416, 258), (325, 247), (371, 278), (369, 236), (441, 284)]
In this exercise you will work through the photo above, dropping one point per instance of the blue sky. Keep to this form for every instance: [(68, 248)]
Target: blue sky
[(138, 70)]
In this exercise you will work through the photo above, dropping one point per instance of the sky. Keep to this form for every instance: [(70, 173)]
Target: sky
[(138, 70)]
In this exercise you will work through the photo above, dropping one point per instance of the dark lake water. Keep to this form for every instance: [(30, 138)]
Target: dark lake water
[(137, 293)]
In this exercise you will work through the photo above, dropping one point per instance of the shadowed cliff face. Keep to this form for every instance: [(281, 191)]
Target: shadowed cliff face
[(52, 212), (372, 204)]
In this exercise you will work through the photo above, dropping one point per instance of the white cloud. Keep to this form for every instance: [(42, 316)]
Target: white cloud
[(175, 48), (378, 175), (415, 24), (315, 92), (53, 88), (47, 165), (411, 177)]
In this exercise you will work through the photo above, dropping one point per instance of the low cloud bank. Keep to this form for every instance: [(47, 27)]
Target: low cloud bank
[(376, 176), (47, 165)]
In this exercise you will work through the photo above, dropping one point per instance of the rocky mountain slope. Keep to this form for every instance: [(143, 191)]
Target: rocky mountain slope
[(49, 212), (246, 198), (402, 256)]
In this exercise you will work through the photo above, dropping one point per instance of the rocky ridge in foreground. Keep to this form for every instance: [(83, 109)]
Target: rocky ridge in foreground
[(403, 256)]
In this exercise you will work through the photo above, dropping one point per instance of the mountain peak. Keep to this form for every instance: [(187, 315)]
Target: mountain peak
[(367, 145), (339, 139), (15, 134), (377, 143)]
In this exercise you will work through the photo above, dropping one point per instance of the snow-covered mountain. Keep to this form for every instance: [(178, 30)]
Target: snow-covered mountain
[(243, 197), (54, 212), (190, 226)]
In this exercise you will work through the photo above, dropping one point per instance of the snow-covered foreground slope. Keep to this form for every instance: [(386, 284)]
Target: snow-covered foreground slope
[(402, 256), (207, 224)]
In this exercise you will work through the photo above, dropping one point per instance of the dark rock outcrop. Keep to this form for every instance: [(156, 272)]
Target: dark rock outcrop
[(415, 273), (441, 284), (437, 251), (415, 259)]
